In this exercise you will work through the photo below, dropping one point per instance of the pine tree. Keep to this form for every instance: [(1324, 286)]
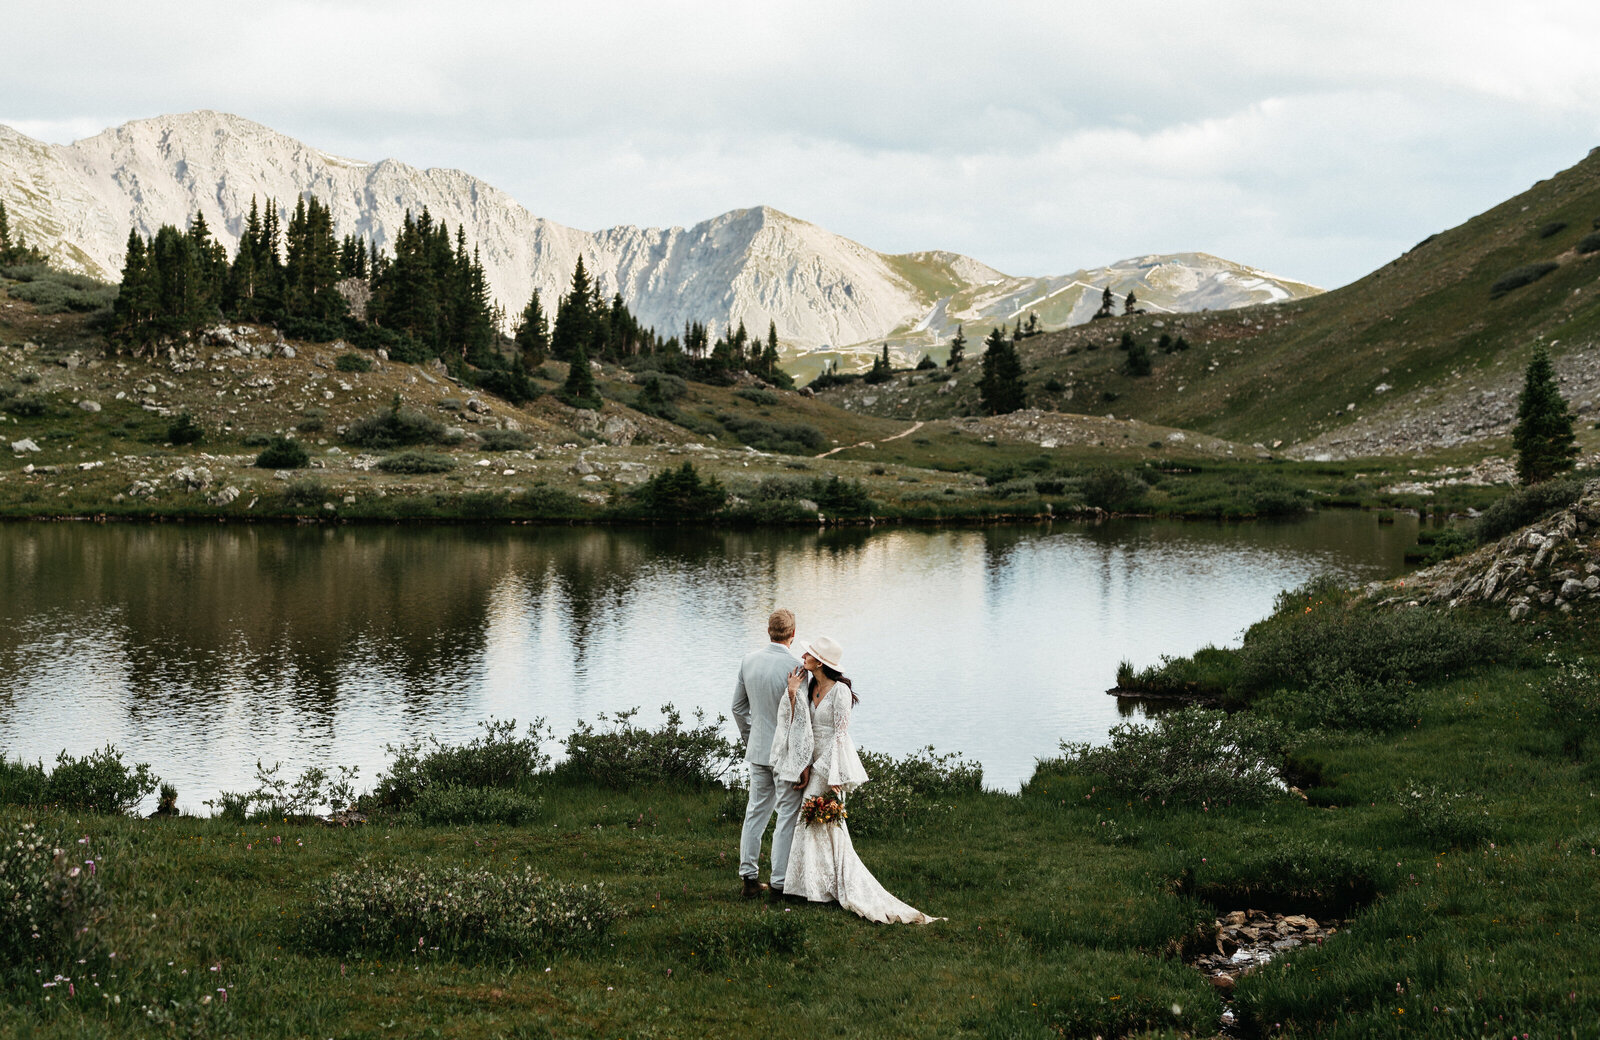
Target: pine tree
[(1543, 435), (579, 391), (1033, 323), (133, 313), (1137, 363), (1128, 303), (880, 371), (1001, 388), (532, 335), (1106, 304), (769, 356), (574, 325), (958, 350)]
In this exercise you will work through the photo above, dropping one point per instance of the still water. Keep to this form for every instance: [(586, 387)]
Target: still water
[(200, 649)]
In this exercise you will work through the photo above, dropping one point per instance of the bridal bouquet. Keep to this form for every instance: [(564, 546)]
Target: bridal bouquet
[(823, 808)]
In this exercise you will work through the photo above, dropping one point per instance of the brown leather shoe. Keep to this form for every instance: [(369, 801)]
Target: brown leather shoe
[(753, 888), (775, 893)]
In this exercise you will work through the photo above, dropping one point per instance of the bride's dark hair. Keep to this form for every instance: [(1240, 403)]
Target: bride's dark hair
[(838, 676)]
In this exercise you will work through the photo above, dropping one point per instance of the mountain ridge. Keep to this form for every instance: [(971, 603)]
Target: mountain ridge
[(755, 264)]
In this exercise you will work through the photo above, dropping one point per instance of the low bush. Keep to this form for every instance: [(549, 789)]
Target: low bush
[(1194, 755), (311, 419), (57, 292), (283, 453), (1517, 277), (505, 440), (886, 804), (1318, 635), (1345, 703), (547, 503), (276, 797), (1447, 818), (98, 782), (51, 901), (185, 430), (1436, 546), (449, 804), (756, 395), (303, 493), (830, 379), (417, 462), (496, 758), (1522, 506), (454, 911), (396, 427), (1589, 243), (933, 775), (787, 438), (353, 363), (626, 756), (1289, 875), (1116, 490), (1555, 227), (1571, 699)]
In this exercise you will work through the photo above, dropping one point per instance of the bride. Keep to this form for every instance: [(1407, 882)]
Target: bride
[(812, 746)]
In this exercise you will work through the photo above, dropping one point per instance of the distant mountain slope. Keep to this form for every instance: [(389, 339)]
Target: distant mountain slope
[(757, 265), (1423, 354)]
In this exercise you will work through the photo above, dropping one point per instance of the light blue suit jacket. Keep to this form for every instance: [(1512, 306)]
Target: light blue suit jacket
[(763, 679)]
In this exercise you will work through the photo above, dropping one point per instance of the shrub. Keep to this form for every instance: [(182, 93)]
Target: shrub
[(925, 363), (1435, 546), (1555, 227), (886, 804), (454, 911), (353, 363), (628, 756), (1346, 703), (679, 493), (1524, 505), (830, 379), (396, 427), (1445, 817), (1572, 703), (450, 804), (98, 782), (1113, 489), (50, 899), (184, 430), (1318, 635), (417, 462), (1194, 755), (842, 497), (505, 440), (256, 440), (1517, 277), (311, 420), (933, 775), (788, 438), (756, 395), (284, 453), (496, 758), (1589, 243), (303, 493), (1295, 875), (547, 502), (275, 797), (56, 292)]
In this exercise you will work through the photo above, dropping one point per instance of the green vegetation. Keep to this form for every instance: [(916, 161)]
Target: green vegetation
[(1454, 852), (417, 462), (283, 453), (353, 363), (1543, 435), (396, 427)]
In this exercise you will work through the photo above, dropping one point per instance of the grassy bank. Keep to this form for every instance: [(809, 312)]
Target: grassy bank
[(1452, 830)]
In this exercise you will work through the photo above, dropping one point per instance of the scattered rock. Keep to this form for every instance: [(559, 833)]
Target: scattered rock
[(89, 406), (24, 445)]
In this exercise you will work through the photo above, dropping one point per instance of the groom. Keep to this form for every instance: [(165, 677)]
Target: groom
[(763, 676)]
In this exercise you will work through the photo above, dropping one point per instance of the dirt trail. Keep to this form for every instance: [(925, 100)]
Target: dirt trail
[(913, 428)]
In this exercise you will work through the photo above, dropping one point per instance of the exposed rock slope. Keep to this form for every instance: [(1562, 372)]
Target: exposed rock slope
[(756, 265)]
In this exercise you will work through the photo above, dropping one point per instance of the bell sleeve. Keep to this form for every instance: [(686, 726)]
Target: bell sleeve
[(840, 764), (792, 744)]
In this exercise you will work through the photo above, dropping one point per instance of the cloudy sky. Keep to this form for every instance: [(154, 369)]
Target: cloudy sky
[(1314, 140)]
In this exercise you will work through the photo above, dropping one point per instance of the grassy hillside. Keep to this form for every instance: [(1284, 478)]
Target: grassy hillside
[(1432, 321)]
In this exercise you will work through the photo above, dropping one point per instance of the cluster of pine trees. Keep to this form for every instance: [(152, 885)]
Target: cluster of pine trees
[(18, 251)]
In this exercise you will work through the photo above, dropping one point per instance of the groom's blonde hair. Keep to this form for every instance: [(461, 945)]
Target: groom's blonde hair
[(780, 625)]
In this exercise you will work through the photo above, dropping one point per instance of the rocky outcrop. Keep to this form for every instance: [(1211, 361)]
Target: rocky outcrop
[(1553, 564)]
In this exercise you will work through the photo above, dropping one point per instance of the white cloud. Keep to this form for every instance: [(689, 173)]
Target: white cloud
[(1313, 140)]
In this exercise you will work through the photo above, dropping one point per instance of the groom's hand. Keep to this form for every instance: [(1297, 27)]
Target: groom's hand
[(805, 775)]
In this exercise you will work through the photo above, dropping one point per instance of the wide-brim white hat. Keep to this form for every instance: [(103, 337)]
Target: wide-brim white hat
[(826, 650)]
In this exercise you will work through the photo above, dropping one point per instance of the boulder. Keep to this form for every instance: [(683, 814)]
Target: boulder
[(24, 445), (89, 406)]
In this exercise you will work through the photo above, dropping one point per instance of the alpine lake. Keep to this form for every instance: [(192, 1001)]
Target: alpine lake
[(205, 649)]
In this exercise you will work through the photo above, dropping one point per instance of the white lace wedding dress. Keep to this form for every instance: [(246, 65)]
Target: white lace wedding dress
[(823, 864)]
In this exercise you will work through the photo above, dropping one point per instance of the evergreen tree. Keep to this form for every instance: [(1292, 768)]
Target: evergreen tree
[(311, 268), (574, 325), (180, 304), (1106, 304), (958, 350), (769, 356), (1543, 435), (532, 335), (579, 391), (880, 371), (1128, 303), (477, 314), (17, 252), (1137, 363), (1001, 388), (134, 312), (1033, 324)]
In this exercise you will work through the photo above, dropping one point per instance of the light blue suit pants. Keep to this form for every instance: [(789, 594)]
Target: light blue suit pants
[(767, 793)]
